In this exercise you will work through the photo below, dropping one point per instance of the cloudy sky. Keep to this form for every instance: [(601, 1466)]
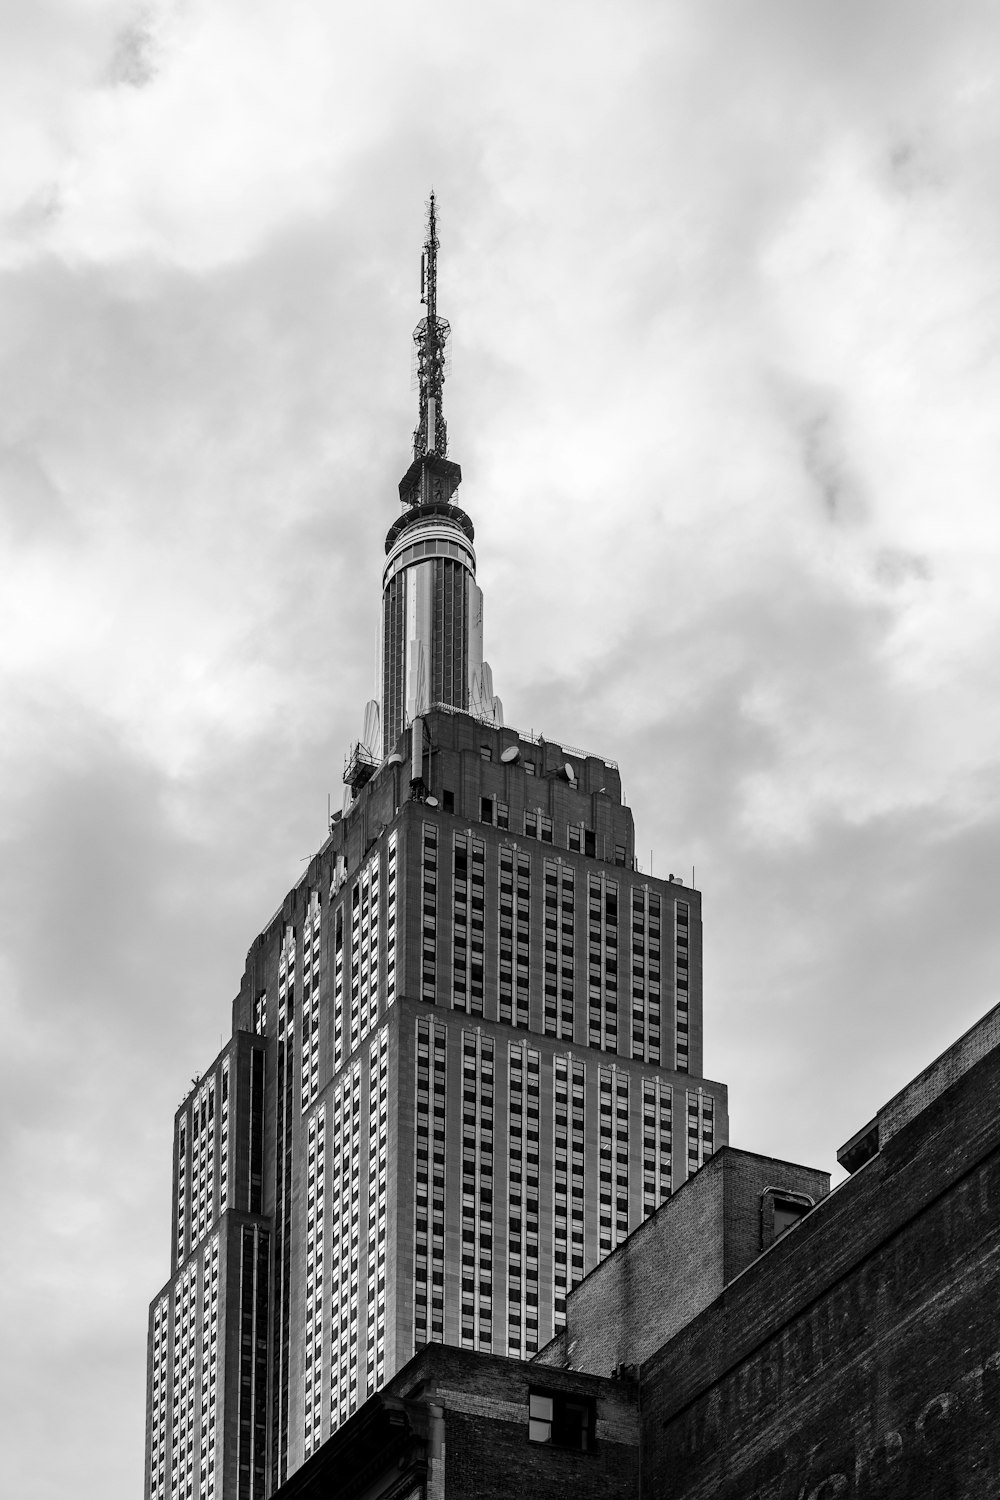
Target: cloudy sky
[(726, 307)]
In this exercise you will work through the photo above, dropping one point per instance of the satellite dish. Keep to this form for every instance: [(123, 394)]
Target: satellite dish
[(395, 759), (570, 773), (431, 801), (510, 755)]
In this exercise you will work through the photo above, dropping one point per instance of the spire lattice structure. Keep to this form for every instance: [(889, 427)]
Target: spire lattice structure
[(430, 336), (432, 478)]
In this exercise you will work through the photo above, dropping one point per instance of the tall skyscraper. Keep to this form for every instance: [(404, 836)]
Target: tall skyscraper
[(466, 1055)]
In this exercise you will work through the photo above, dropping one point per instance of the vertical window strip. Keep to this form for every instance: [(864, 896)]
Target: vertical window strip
[(185, 1392), (283, 1206), (657, 1143), (182, 1194), (522, 1200), (569, 1138), (370, 935), (613, 1157), (645, 974), (428, 905), (315, 1232), (390, 924), (522, 935), (260, 1013), (159, 1395), (251, 1453), (344, 1225), (310, 1002), (477, 1190), (339, 1017), (560, 895), (505, 917), (700, 1128), (469, 873), (681, 1010), (364, 952), (602, 943), (201, 1197), (224, 1139), (378, 1161), (209, 1370), (429, 1203)]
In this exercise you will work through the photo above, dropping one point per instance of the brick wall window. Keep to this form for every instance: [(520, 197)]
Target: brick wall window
[(562, 1419)]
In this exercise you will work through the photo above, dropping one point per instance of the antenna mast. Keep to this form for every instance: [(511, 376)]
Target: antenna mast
[(432, 477), (430, 336)]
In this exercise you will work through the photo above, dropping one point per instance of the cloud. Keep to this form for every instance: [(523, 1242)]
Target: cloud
[(724, 296)]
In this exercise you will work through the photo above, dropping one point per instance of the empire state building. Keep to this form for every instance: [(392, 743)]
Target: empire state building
[(466, 1052)]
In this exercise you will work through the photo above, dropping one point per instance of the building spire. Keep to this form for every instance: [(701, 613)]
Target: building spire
[(430, 337), (431, 477)]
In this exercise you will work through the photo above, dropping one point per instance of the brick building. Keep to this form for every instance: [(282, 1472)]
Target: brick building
[(841, 1349), (466, 1053)]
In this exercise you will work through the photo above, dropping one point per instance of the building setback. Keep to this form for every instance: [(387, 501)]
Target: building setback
[(466, 1054), (847, 1350)]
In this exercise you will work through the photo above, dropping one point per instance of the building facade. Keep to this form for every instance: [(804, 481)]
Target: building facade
[(466, 1055), (757, 1338)]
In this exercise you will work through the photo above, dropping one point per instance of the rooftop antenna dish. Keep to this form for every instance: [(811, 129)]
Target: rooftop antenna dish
[(510, 755), (431, 801), (395, 759), (570, 772)]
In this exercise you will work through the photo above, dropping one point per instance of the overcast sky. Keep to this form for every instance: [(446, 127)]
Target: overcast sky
[(724, 286)]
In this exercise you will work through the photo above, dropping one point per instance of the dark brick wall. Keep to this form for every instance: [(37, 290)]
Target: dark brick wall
[(676, 1263), (860, 1357), (487, 1452)]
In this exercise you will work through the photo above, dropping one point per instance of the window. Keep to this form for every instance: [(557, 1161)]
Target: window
[(564, 1420), (485, 752), (486, 809), (529, 768), (787, 1213), (448, 801)]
